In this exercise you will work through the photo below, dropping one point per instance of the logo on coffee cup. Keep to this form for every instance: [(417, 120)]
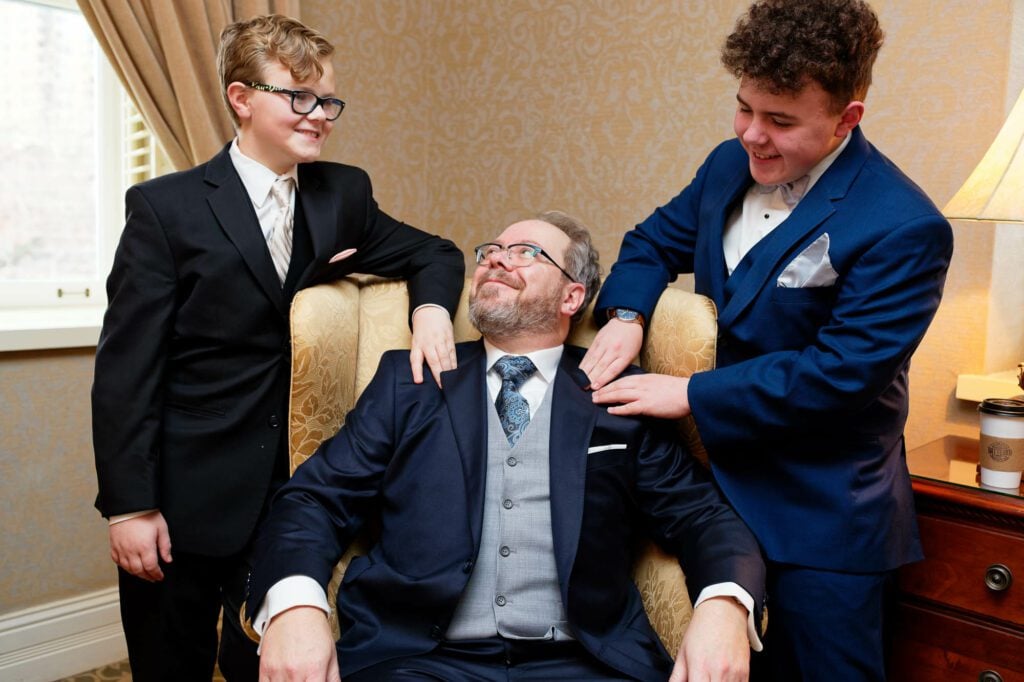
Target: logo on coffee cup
[(999, 451)]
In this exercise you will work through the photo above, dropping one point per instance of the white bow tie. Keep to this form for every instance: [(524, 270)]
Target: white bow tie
[(792, 192)]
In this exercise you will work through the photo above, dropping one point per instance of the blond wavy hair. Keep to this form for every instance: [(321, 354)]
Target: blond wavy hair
[(246, 47)]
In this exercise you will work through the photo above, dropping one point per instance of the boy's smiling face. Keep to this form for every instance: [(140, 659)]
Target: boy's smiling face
[(271, 133), (787, 134)]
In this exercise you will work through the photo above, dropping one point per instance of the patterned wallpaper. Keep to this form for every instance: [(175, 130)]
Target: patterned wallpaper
[(472, 114)]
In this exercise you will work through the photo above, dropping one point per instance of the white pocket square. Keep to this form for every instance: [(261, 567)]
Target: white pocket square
[(602, 448), (812, 268)]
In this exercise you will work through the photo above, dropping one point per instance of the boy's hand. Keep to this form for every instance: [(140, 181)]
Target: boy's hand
[(433, 340), (715, 646), (135, 544), (298, 646), (613, 349), (655, 395)]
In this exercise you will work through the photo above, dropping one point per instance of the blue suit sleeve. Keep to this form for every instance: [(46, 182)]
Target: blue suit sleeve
[(690, 518), (322, 508)]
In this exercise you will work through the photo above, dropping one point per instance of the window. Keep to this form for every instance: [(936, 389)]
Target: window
[(72, 143)]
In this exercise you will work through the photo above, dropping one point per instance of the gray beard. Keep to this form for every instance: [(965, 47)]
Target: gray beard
[(497, 319)]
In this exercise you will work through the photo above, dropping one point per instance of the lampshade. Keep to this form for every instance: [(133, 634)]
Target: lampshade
[(995, 190)]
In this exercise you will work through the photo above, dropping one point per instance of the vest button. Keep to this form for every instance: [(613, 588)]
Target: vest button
[(507, 504), (272, 422), (504, 551), (512, 461), (500, 600)]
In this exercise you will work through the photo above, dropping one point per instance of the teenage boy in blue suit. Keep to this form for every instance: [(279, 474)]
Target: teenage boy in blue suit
[(827, 265), (192, 368)]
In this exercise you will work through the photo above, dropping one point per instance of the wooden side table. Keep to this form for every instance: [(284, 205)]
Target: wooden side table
[(960, 613)]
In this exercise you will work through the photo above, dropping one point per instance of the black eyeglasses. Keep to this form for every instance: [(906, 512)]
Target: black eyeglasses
[(519, 255), (305, 102)]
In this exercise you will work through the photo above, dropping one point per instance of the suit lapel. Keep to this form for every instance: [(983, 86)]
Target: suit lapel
[(567, 459), (465, 393), (810, 213), (720, 202), (318, 205), (233, 209)]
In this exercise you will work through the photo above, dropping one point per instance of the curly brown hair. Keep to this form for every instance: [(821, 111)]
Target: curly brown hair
[(782, 44)]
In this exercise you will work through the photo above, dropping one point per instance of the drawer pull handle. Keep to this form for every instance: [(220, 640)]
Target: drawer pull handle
[(990, 676), (998, 578)]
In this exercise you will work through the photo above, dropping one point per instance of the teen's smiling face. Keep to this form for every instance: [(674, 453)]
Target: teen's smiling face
[(787, 134), (271, 132)]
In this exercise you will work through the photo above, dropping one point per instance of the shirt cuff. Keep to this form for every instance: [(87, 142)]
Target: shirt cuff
[(743, 597), (130, 515), (287, 593), (429, 305)]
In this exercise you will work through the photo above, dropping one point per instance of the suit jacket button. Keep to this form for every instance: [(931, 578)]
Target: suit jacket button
[(467, 567), (435, 632), (272, 422)]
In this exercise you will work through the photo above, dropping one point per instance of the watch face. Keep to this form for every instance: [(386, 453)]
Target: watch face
[(627, 315)]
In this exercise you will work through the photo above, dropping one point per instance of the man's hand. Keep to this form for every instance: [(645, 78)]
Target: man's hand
[(433, 340), (715, 646), (297, 646), (614, 347), (134, 545), (654, 395)]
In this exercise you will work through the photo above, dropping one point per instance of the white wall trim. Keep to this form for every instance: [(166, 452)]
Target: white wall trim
[(59, 639), (42, 328)]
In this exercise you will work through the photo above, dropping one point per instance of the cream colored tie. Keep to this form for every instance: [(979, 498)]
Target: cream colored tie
[(281, 238)]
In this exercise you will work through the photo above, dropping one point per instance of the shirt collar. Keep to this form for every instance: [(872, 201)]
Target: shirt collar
[(825, 163), (545, 360), (257, 178)]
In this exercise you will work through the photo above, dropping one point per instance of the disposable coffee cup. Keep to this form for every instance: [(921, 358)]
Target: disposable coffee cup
[(1001, 446)]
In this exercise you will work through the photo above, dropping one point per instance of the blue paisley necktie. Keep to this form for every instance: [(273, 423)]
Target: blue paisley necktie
[(513, 410)]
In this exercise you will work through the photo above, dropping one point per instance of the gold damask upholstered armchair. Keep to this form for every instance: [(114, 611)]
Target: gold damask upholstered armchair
[(340, 330)]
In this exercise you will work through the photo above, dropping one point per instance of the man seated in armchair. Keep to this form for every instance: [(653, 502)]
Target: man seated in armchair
[(503, 550)]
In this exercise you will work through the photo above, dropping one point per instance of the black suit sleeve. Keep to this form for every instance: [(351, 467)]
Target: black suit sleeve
[(127, 392), (434, 267), (689, 517)]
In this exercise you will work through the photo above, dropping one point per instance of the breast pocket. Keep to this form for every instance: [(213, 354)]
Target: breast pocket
[(804, 296), (600, 456)]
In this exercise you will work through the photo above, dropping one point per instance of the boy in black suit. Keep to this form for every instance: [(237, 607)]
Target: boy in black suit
[(192, 368)]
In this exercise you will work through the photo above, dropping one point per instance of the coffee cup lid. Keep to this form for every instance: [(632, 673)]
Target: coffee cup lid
[(1003, 407)]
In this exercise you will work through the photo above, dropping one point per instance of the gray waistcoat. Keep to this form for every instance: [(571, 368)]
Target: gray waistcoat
[(513, 591)]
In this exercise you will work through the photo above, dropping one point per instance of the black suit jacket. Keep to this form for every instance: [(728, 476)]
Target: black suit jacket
[(193, 363), (413, 457)]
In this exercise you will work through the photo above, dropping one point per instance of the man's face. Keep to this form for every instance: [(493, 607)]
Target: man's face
[(508, 301), (276, 136), (787, 134)]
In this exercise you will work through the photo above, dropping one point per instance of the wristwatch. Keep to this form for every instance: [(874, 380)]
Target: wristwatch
[(626, 315)]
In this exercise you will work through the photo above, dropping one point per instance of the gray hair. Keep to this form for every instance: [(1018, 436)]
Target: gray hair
[(581, 258)]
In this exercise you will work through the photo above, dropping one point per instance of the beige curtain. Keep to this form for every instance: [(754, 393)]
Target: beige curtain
[(165, 53)]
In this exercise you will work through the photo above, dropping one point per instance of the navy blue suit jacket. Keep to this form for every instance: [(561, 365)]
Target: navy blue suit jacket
[(803, 415), (191, 388), (413, 458)]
